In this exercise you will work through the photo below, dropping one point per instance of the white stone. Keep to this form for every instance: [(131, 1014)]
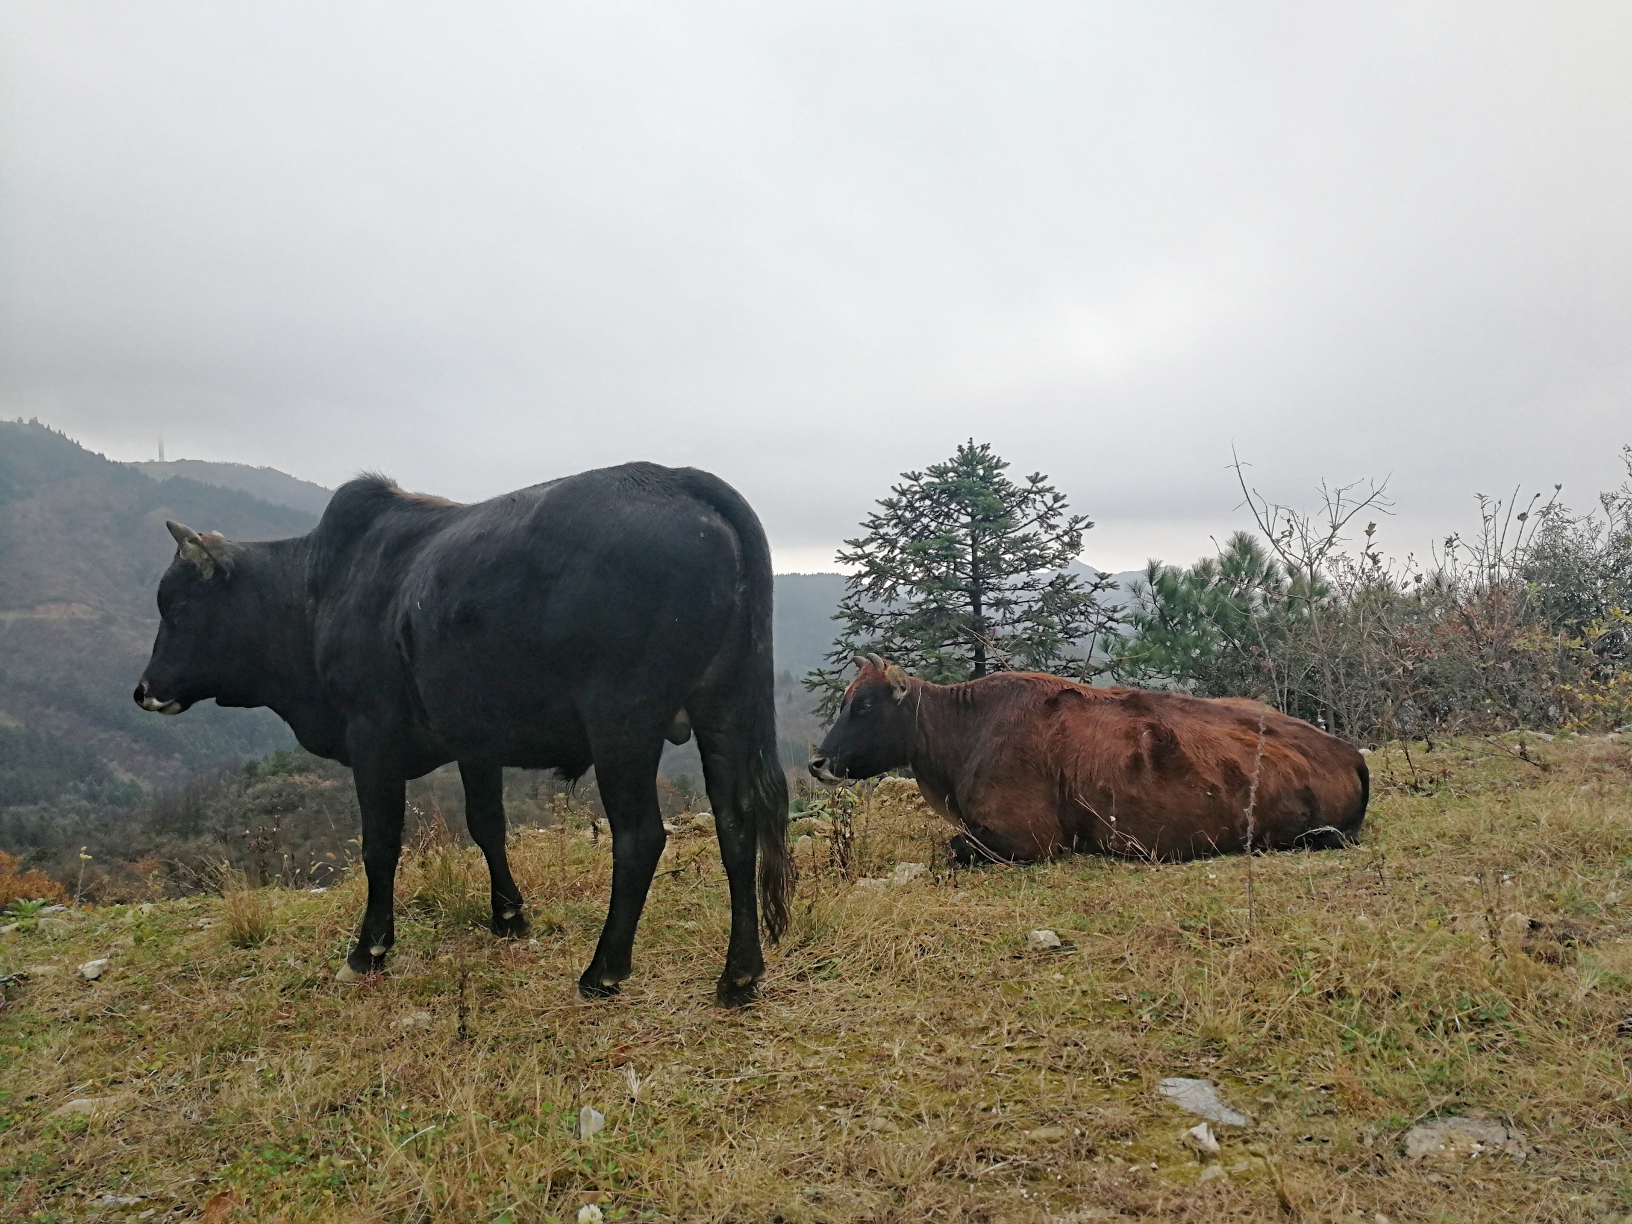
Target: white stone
[(53, 909), (907, 871), (703, 821), (93, 969), (589, 1213), (1042, 941), (9, 928), (413, 1020), (591, 1122), (146, 907), (95, 1107), (1200, 1137), (1200, 1097)]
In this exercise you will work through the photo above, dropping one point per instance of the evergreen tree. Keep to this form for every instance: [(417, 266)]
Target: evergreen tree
[(960, 572)]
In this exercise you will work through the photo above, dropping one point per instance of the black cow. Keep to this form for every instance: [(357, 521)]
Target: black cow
[(573, 623)]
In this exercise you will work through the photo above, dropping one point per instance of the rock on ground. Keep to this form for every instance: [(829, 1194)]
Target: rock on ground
[(1453, 1140), (1042, 941), (93, 969), (1201, 1139), (1200, 1097)]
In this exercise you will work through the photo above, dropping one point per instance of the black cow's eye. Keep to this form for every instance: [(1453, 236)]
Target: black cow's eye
[(866, 703)]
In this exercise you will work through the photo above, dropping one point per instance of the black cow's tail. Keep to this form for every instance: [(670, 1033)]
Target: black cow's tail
[(764, 787)]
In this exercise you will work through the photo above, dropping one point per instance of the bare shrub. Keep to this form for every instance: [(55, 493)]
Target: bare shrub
[(1524, 623)]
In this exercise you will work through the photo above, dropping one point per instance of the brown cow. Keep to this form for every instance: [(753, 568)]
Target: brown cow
[(1031, 765)]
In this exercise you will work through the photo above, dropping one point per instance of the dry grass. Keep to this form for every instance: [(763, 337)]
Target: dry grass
[(250, 911), (909, 1060)]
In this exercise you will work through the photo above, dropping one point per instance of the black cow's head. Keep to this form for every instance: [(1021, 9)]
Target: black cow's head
[(876, 727), (192, 652)]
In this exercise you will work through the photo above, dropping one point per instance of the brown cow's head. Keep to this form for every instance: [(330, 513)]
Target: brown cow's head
[(875, 730), (191, 652)]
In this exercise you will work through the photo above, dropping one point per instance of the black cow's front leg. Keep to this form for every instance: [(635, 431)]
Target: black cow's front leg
[(628, 785), (381, 793), (484, 814)]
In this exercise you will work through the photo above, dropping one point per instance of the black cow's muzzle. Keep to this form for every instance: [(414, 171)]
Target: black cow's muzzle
[(821, 770), (145, 699)]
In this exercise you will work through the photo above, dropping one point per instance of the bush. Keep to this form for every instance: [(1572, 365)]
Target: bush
[(30, 885), (1524, 625)]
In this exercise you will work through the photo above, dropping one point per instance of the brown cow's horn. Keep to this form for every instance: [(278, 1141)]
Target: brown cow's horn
[(876, 660), (859, 660)]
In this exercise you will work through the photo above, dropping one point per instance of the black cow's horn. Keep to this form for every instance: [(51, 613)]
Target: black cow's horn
[(181, 533)]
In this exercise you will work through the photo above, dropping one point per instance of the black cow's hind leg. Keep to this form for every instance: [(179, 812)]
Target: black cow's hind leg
[(484, 815), (381, 794), (626, 774), (733, 825)]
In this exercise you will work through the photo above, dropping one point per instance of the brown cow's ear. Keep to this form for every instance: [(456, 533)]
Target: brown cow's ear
[(201, 552), (897, 679)]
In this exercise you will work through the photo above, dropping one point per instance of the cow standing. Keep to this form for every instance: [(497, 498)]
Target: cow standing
[(1031, 766), (571, 624)]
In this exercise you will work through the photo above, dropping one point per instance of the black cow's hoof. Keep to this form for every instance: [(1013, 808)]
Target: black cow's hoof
[(733, 992), (592, 987), (359, 964), (513, 927)]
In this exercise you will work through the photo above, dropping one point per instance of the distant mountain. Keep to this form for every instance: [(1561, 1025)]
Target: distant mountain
[(804, 628), (82, 545), (1111, 599), (268, 484)]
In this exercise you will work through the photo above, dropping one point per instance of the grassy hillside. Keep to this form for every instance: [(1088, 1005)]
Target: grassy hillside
[(910, 1059)]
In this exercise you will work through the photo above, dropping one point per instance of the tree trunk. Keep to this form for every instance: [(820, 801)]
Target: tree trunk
[(977, 623)]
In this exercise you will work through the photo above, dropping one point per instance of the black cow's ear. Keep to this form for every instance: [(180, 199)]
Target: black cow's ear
[(898, 681)]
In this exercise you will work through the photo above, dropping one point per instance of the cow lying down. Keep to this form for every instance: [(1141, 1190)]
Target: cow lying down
[(1031, 766)]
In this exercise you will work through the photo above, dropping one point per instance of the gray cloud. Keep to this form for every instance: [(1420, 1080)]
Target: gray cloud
[(808, 247)]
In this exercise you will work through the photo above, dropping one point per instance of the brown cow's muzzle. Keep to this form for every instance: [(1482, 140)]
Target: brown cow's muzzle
[(145, 699), (821, 771)]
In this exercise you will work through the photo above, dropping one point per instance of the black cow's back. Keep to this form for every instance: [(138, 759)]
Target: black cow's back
[(492, 626)]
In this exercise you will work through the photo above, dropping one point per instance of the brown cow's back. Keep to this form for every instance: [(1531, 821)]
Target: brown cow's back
[(1034, 765)]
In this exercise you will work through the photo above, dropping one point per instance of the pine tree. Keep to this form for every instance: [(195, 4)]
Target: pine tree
[(960, 572)]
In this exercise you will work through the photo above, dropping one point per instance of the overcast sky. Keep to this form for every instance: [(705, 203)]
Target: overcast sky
[(810, 246)]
